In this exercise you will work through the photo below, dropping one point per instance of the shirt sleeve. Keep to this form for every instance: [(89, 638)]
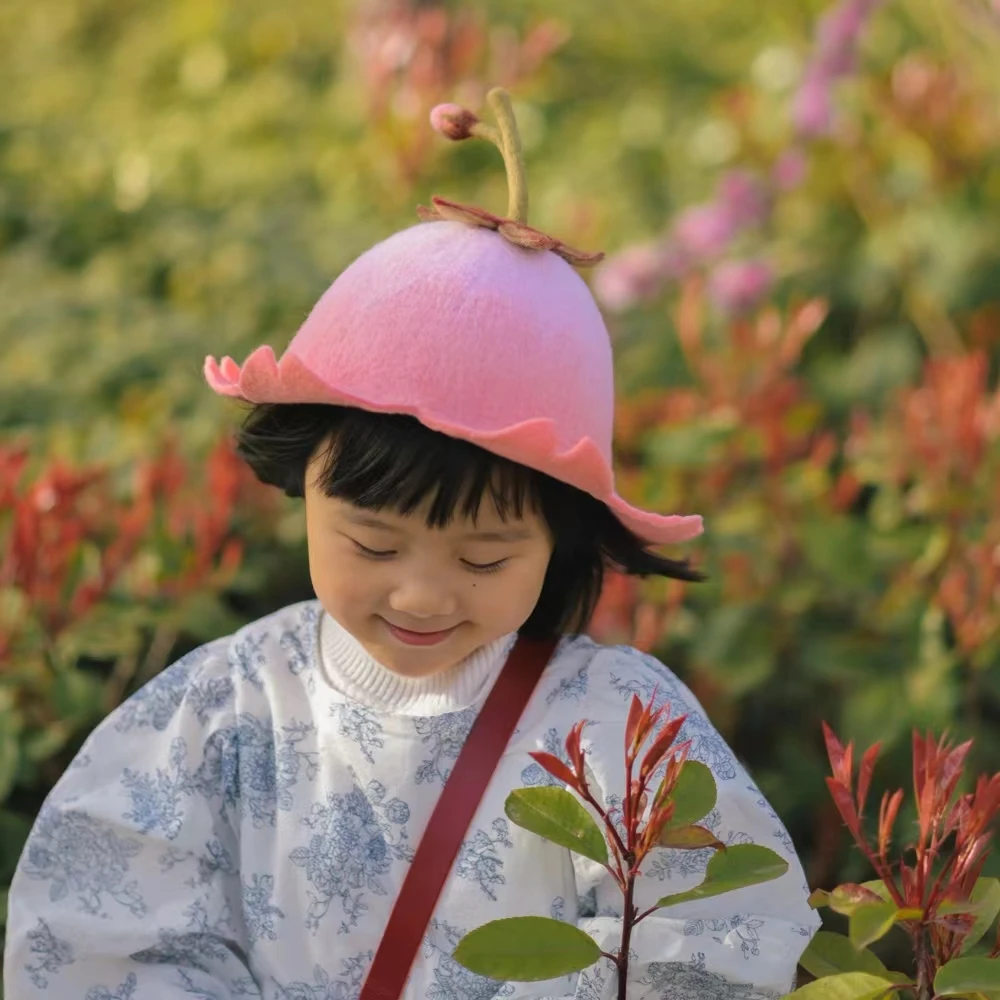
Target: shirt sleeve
[(129, 883), (742, 945)]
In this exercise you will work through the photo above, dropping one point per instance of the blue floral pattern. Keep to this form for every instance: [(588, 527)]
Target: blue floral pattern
[(248, 654), (198, 946), (323, 987), (75, 854), (48, 954), (259, 911), (723, 930), (299, 645), (156, 798), (693, 981), (254, 770), (573, 688), (346, 857), (479, 859), (780, 833), (236, 814), (445, 735), (154, 705), (361, 726), (126, 991)]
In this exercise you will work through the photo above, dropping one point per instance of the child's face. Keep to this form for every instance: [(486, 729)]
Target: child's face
[(418, 598)]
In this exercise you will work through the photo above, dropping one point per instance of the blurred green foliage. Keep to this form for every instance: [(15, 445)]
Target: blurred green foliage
[(187, 177)]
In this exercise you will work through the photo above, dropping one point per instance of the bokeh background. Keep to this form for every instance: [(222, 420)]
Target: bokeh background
[(800, 203)]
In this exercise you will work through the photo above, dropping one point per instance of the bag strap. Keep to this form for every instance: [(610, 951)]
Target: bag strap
[(451, 817)]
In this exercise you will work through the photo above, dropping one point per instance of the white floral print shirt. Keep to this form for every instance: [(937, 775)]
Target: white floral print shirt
[(240, 828)]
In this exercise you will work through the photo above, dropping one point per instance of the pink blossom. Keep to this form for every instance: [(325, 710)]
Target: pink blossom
[(636, 274), (705, 231), (738, 286), (790, 169), (812, 111), (840, 26), (744, 197)]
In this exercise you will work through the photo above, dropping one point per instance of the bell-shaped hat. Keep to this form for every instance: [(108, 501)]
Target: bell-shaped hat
[(476, 325)]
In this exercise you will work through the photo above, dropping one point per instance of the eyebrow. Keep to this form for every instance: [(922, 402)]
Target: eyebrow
[(500, 535)]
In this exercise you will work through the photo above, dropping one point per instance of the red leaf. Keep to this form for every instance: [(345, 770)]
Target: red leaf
[(951, 768), (663, 743), (887, 818), (573, 749), (845, 805), (919, 764), (555, 767), (841, 757), (635, 714), (865, 774)]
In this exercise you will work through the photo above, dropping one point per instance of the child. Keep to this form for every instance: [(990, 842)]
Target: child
[(241, 825)]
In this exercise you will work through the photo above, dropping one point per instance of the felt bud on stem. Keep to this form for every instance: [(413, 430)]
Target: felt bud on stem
[(459, 123), (453, 122)]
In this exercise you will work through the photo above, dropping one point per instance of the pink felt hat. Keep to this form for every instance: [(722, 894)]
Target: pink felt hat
[(477, 334)]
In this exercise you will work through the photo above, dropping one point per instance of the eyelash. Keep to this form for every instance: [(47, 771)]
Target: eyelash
[(493, 567)]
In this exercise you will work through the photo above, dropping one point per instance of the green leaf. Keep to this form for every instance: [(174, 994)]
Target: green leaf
[(848, 986), (555, 814), (986, 898), (526, 949), (694, 795), (871, 921), (689, 838), (734, 868), (829, 954), (879, 888), (968, 975), (846, 898)]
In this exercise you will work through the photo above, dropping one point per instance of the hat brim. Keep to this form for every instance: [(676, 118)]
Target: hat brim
[(264, 379)]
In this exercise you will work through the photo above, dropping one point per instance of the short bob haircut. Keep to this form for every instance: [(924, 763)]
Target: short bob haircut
[(390, 461)]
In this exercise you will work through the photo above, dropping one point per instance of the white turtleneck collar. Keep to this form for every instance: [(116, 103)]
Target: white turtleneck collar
[(357, 676)]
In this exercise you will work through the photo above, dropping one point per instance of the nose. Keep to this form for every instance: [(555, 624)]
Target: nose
[(420, 598)]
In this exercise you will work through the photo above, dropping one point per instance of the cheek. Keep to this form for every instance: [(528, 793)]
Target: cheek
[(335, 574)]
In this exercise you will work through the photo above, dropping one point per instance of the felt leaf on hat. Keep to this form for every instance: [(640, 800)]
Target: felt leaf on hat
[(517, 233)]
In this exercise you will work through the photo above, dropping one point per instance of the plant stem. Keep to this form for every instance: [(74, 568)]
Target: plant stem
[(925, 978), (628, 921)]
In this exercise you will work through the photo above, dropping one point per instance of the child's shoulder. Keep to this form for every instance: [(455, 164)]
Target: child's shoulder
[(587, 680), (208, 679), (598, 676)]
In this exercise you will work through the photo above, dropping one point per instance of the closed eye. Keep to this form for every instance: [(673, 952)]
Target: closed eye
[(492, 567), (373, 553)]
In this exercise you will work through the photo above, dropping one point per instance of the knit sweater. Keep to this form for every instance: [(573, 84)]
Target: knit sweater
[(241, 826)]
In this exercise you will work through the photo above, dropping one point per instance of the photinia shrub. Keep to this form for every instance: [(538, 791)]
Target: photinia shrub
[(933, 890), (528, 949)]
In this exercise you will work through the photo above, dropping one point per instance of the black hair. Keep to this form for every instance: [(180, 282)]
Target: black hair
[(392, 461)]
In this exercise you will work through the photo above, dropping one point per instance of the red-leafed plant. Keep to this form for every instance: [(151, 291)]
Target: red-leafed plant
[(529, 949), (933, 890)]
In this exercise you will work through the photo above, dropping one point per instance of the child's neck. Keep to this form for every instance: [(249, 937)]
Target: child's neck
[(357, 676)]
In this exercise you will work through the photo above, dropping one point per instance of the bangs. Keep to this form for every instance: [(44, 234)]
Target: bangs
[(396, 463), (391, 461)]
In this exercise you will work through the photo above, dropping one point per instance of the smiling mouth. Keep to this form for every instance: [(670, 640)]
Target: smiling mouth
[(412, 638)]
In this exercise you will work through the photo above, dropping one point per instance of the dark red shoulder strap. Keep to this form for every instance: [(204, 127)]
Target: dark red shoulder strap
[(451, 817)]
